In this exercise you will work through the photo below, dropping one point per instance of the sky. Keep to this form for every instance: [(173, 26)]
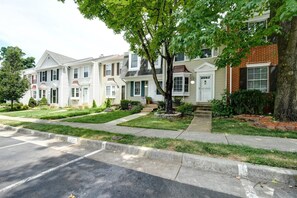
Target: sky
[(39, 25)]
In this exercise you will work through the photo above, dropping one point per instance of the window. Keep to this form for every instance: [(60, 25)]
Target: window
[(254, 26), (206, 53), (75, 92), (54, 74), (257, 78), (179, 57), (181, 85), (44, 76), (110, 91), (54, 96), (42, 93), (186, 85), (137, 88), (108, 70), (34, 94), (75, 73), (134, 61), (161, 84), (178, 84), (86, 72)]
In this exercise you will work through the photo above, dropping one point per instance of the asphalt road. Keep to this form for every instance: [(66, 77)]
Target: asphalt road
[(30, 170)]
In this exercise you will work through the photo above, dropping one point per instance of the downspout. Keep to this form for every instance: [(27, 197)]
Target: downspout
[(230, 88)]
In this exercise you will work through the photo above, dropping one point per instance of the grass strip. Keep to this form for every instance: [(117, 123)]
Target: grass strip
[(234, 152), (50, 114), (101, 118), (152, 122), (232, 126)]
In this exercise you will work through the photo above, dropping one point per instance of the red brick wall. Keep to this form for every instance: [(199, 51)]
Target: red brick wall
[(260, 54)]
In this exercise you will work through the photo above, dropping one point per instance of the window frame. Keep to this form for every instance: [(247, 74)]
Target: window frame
[(55, 74), (108, 70), (254, 66), (134, 91), (43, 76), (86, 71), (183, 91), (112, 91), (75, 92), (75, 73)]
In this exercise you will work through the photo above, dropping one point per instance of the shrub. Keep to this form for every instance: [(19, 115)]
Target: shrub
[(25, 107), (161, 105), (149, 100), (177, 101), (186, 109), (249, 102), (108, 103), (135, 103), (94, 104), (32, 103), (221, 107), (136, 109), (43, 101), (125, 104)]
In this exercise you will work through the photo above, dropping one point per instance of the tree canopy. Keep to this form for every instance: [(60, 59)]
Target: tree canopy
[(12, 84), (22, 63)]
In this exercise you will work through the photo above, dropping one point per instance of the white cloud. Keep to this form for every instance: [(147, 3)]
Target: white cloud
[(37, 25)]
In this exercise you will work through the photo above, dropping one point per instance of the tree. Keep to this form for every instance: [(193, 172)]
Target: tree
[(148, 26), (28, 62), (12, 84), (223, 23)]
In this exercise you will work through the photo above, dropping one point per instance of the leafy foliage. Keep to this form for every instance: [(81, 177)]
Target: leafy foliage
[(12, 84), (94, 105), (32, 102), (248, 102), (221, 107), (108, 103), (186, 109), (43, 101)]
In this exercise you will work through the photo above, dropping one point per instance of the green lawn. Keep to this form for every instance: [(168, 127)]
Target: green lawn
[(49, 113), (232, 126), (101, 118), (234, 152), (152, 122)]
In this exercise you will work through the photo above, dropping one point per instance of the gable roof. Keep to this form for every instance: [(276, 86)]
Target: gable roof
[(58, 58)]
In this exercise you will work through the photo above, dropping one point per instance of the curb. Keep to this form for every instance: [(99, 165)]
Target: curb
[(223, 166)]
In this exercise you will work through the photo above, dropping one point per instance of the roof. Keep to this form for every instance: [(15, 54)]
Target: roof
[(61, 59), (180, 69)]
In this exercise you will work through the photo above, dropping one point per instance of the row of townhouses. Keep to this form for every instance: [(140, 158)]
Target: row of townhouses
[(65, 81)]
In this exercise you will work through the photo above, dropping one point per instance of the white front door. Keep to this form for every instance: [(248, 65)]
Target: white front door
[(205, 88), (85, 95)]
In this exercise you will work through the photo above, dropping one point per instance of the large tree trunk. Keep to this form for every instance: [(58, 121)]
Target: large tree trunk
[(169, 84), (285, 108)]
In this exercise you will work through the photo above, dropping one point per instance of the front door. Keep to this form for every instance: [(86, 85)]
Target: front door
[(85, 95), (205, 88)]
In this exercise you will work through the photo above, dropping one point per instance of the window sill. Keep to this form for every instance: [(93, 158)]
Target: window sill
[(74, 98), (180, 94), (111, 97)]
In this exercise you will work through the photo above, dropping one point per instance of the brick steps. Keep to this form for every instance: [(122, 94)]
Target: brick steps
[(203, 110), (149, 107)]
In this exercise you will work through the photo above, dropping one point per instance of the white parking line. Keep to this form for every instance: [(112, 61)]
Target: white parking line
[(48, 171), (4, 147)]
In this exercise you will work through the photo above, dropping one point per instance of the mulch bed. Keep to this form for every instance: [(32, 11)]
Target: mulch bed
[(268, 122)]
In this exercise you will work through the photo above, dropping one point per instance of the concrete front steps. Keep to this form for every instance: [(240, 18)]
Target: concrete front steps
[(203, 110), (149, 107)]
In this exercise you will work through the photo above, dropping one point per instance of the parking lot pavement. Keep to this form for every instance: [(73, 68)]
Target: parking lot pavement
[(35, 167)]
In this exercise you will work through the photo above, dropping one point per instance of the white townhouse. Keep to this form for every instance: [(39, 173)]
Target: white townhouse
[(65, 81)]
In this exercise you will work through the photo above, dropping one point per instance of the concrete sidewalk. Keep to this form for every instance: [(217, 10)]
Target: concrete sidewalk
[(281, 144)]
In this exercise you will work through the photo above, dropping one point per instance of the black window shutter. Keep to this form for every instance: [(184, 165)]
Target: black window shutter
[(104, 69), (57, 96), (57, 74), (142, 88), (243, 78), (112, 69), (132, 89), (40, 77), (51, 94), (51, 75), (118, 68), (40, 94), (45, 76), (272, 78)]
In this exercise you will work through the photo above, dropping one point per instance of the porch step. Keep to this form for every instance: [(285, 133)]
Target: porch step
[(149, 107), (203, 110)]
